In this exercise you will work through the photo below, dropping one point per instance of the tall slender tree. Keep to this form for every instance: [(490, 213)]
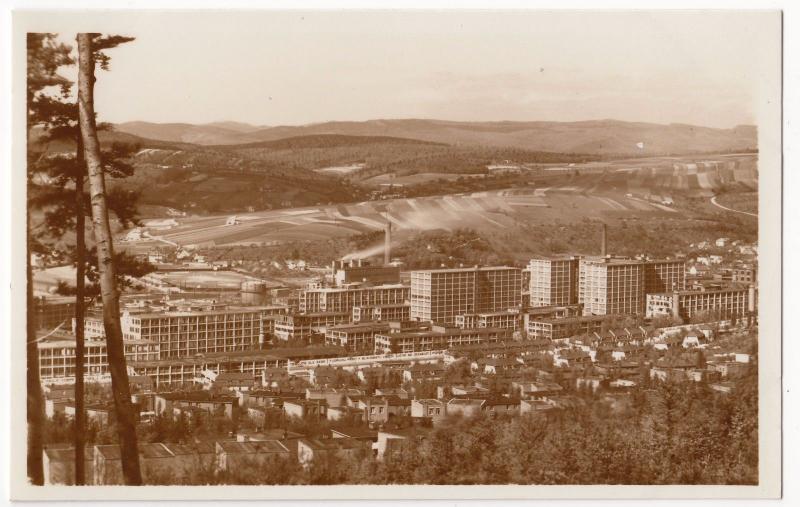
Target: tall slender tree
[(65, 202), (65, 211), (105, 259), (44, 57), (80, 288)]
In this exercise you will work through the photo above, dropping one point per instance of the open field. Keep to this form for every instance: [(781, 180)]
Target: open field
[(493, 210), (744, 202), (629, 190), (203, 279), (415, 179), (341, 169)]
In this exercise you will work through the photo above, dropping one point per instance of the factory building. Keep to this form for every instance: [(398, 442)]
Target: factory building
[(505, 320), (440, 295), (385, 313), (343, 299), (303, 325), (357, 271), (52, 311), (356, 338), (612, 285), (556, 329), (436, 338), (181, 334), (609, 285), (554, 281), (722, 303), (57, 355), (664, 275)]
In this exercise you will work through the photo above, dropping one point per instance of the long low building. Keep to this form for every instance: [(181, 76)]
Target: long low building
[(437, 338), (722, 304), (53, 311), (304, 325), (343, 299), (503, 319), (552, 312), (556, 329), (187, 370), (186, 333), (388, 312), (355, 338), (57, 356), (194, 327)]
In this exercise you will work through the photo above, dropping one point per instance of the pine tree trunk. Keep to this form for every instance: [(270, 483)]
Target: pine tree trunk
[(125, 416), (80, 259), (35, 405)]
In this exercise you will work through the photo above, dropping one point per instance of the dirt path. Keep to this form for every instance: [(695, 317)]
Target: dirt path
[(718, 205)]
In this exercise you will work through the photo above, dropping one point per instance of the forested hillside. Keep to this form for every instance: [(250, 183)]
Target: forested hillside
[(593, 137)]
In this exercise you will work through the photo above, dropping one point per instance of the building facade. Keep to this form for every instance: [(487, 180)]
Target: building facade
[(722, 304), (613, 286), (506, 319), (556, 329), (52, 312), (356, 338), (609, 286), (343, 299), (664, 275), (182, 334), (440, 295), (57, 356), (554, 281), (358, 272), (302, 326), (437, 338), (395, 312), (746, 275)]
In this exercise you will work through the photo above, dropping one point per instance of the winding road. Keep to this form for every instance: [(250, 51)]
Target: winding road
[(718, 205)]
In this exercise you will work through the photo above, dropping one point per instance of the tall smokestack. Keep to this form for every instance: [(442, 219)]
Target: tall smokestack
[(604, 242), (387, 247)]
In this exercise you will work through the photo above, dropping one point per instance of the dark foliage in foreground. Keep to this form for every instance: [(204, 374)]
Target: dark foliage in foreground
[(661, 434)]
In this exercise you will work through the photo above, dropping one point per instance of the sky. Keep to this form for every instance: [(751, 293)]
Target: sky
[(291, 68)]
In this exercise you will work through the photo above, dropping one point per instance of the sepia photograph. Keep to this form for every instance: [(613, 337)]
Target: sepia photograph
[(490, 254)]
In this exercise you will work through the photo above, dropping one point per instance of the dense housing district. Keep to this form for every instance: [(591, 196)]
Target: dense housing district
[(376, 374)]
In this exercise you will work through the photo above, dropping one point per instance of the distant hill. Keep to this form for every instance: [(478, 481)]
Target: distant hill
[(235, 126), (598, 137), (107, 138), (326, 141), (212, 133)]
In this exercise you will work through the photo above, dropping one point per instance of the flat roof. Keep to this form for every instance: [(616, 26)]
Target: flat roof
[(359, 325), (388, 305), (490, 314), (316, 314), (63, 342), (53, 300), (558, 257), (467, 270), (248, 355), (742, 288), (191, 313), (367, 287), (448, 332), (571, 320), (616, 261)]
